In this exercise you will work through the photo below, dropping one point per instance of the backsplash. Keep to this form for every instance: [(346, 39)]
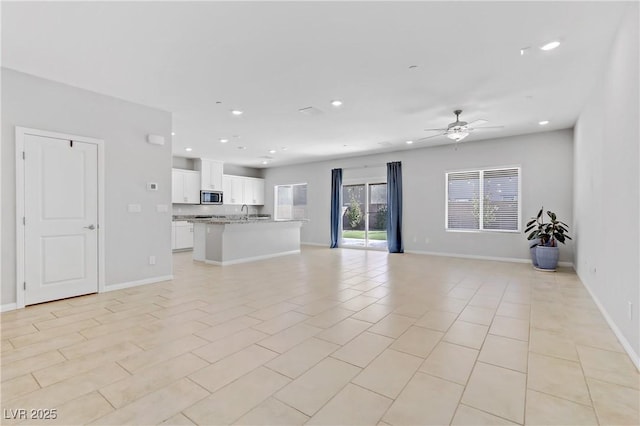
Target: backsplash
[(197, 209)]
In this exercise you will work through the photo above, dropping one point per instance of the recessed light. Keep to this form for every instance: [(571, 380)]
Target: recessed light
[(224, 140), (173, 133), (336, 103), (265, 162), (543, 122), (242, 147), (272, 151), (524, 50), (236, 112), (551, 45), (409, 142), (284, 148), (188, 149)]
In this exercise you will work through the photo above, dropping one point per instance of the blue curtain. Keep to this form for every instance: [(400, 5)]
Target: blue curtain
[(336, 206), (394, 207)]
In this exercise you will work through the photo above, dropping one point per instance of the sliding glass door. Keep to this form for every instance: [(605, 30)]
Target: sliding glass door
[(364, 215)]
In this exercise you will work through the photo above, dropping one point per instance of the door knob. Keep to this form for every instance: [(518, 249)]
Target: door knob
[(90, 227)]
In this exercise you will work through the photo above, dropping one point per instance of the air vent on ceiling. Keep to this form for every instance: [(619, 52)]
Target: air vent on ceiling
[(310, 110)]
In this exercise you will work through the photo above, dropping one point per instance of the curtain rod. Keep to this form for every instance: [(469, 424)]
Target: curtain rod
[(366, 166)]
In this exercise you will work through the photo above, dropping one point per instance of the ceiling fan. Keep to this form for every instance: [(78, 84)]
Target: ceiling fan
[(459, 130)]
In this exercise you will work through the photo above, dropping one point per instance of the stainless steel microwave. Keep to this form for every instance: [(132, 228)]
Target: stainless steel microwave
[(210, 197)]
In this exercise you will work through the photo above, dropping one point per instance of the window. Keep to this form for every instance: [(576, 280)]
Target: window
[(483, 200), (290, 202)]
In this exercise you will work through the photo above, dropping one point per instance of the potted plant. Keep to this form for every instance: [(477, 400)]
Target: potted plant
[(545, 237)]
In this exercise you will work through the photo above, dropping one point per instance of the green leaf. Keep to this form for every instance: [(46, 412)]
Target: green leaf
[(539, 214)]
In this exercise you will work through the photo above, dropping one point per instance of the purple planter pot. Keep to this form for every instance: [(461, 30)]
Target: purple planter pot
[(547, 257)]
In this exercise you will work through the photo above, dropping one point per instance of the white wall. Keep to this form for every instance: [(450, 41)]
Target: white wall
[(606, 187), (130, 162), (547, 173)]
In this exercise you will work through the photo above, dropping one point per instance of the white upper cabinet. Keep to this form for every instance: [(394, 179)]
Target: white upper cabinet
[(243, 190), (210, 174), (233, 192), (254, 191), (185, 186)]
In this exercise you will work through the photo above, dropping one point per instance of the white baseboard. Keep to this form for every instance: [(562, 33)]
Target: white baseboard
[(129, 284), (314, 244), (635, 358), (8, 307), (251, 259), (463, 256), (477, 257)]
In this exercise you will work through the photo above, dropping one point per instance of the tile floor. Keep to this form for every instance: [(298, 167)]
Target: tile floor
[(332, 337)]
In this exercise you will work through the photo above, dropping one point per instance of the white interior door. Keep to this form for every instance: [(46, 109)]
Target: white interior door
[(61, 218)]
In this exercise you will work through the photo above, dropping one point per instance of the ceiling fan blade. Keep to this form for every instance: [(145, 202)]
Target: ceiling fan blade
[(477, 122), (429, 137), (435, 130), (488, 127)]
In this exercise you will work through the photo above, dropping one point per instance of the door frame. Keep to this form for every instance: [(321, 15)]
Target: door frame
[(21, 132), (366, 181)]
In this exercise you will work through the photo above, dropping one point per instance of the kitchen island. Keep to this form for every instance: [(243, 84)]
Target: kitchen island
[(226, 242)]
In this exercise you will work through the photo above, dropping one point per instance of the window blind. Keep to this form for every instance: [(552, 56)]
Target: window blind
[(462, 199), (484, 199), (501, 199)]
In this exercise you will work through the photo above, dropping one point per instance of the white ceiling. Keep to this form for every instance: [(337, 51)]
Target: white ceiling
[(270, 59)]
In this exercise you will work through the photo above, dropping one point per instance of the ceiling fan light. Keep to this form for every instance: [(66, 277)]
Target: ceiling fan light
[(457, 136)]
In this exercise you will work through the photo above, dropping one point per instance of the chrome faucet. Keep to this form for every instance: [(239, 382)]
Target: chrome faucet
[(246, 217)]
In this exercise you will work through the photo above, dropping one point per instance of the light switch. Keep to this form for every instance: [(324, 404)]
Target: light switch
[(134, 208)]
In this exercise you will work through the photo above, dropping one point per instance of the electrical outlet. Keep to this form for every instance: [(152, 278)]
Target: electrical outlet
[(415, 239), (152, 260), (134, 208)]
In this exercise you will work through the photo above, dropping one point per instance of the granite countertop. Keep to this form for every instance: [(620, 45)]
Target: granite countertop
[(222, 218), (231, 219), (224, 221)]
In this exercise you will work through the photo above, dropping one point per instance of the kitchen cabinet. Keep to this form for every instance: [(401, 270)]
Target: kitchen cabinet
[(243, 190), (182, 235), (210, 174), (185, 186), (233, 191), (254, 191)]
